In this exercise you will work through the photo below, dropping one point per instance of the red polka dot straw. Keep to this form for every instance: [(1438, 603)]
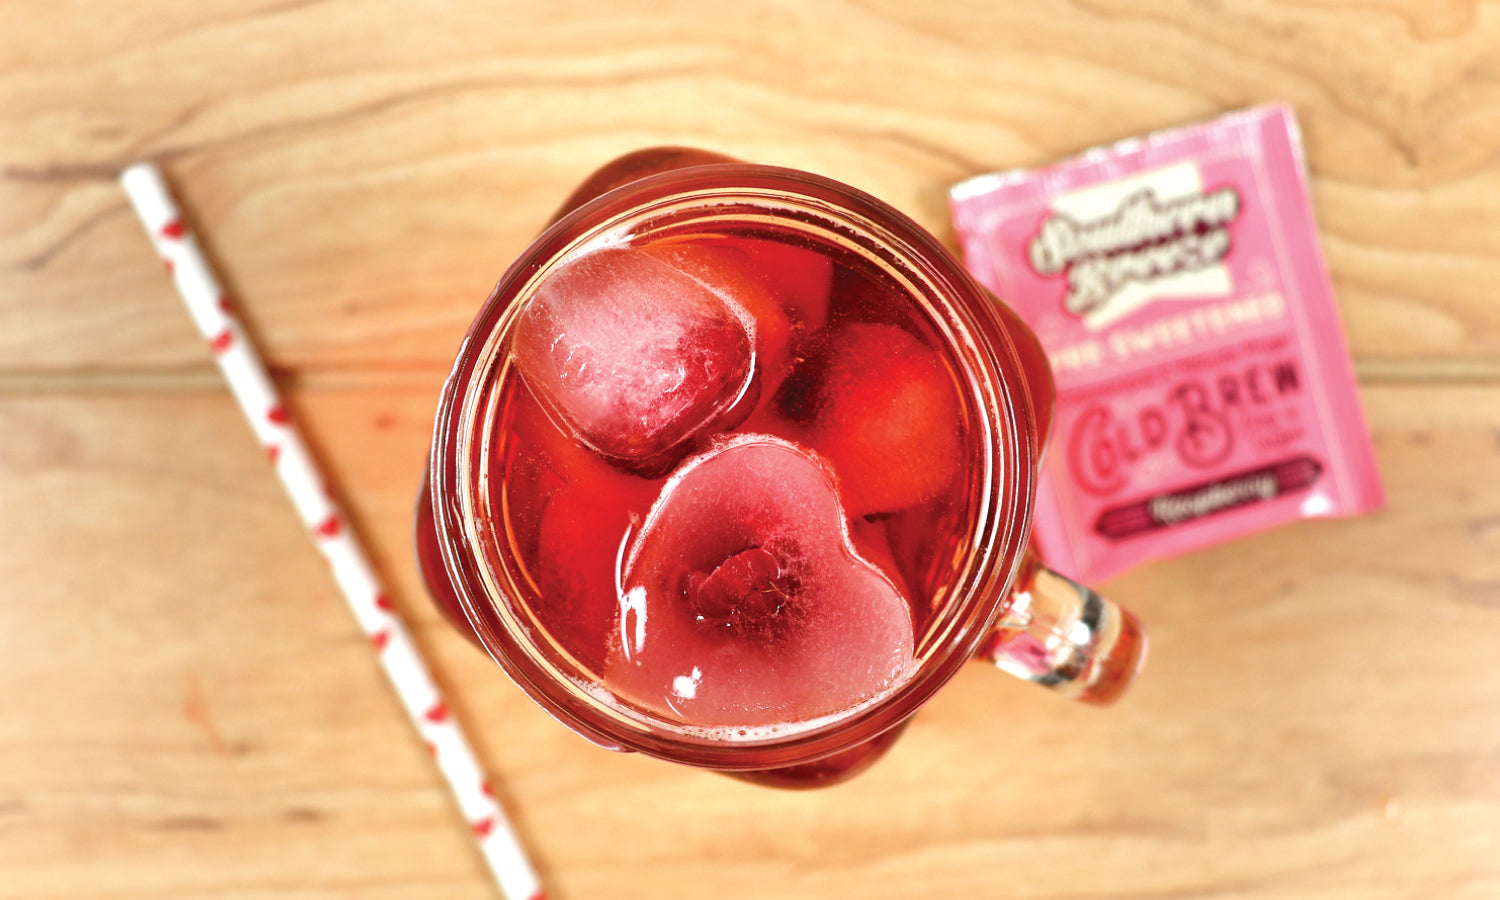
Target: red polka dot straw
[(214, 315)]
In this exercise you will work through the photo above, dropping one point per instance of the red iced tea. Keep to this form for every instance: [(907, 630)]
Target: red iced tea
[(756, 546), (736, 468)]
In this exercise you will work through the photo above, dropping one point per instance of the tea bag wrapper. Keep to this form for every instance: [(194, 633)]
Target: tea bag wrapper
[(1204, 385)]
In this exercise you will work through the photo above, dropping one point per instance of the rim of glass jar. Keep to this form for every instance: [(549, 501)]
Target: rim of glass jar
[(463, 440)]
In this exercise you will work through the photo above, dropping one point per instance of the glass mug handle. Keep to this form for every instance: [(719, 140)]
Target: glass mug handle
[(1064, 636)]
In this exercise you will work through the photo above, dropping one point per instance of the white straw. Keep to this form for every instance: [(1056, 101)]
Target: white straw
[(243, 370)]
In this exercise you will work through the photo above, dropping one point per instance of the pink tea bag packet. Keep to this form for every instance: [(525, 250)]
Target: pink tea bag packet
[(1204, 386)]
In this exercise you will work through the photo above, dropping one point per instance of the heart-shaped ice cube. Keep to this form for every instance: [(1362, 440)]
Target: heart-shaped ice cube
[(743, 601)]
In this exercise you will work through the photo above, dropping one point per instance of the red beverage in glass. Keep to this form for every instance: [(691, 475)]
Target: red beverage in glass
[(736, 468)]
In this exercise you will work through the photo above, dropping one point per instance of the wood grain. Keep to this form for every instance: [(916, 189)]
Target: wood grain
[(365, 170), (1316, 720), (189, 710)]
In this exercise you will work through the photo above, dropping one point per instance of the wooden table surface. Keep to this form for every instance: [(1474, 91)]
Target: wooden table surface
[(189, 710)]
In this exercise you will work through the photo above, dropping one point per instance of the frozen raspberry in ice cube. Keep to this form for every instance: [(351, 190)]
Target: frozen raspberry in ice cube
[(632, 354), (886, 414), (744, 602)]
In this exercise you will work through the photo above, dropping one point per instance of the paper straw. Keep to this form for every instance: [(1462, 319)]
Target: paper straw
[(268, 417)]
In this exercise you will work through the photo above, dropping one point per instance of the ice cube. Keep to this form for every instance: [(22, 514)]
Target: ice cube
[(633, 355), (744, 602)]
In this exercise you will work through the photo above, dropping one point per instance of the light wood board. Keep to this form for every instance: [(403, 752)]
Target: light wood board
[(189, 711)]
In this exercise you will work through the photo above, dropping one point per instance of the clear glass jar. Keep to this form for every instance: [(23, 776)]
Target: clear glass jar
[(1000, 605)]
